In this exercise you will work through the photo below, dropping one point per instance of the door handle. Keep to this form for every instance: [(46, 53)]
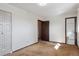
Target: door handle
[(2, 33)]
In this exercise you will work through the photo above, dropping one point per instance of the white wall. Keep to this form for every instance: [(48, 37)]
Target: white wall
[(78, 26), (57, 26), (24, 26)]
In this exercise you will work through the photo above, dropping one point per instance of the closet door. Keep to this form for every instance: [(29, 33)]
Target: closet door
[(5, 32), (1, 33)]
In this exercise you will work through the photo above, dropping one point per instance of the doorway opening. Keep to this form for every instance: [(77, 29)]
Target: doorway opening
[(71, 30), (43, 30)]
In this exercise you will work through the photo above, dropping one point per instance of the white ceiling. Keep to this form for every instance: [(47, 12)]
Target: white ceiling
[(50, 9)]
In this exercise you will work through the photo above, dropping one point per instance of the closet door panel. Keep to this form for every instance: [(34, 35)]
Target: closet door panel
[(5, 32), (1, 34)]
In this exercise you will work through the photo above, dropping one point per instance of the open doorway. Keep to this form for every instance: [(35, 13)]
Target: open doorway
[(43, 30), (71, 31)]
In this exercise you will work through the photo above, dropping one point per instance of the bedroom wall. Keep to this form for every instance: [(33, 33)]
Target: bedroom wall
[(57, 26), (24, 26)]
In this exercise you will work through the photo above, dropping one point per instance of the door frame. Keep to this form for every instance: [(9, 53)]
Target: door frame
[(75, 20)]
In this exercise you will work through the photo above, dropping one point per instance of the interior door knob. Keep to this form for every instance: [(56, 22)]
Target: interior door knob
[(2, 33)]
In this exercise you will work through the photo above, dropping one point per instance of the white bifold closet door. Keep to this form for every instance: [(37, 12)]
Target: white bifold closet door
[(5, 32)]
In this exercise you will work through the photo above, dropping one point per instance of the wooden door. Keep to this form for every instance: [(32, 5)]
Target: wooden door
[(39, 30), (45, 30)]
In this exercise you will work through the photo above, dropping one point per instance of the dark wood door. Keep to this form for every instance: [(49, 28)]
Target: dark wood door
[(39, 30), (45, 30)]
